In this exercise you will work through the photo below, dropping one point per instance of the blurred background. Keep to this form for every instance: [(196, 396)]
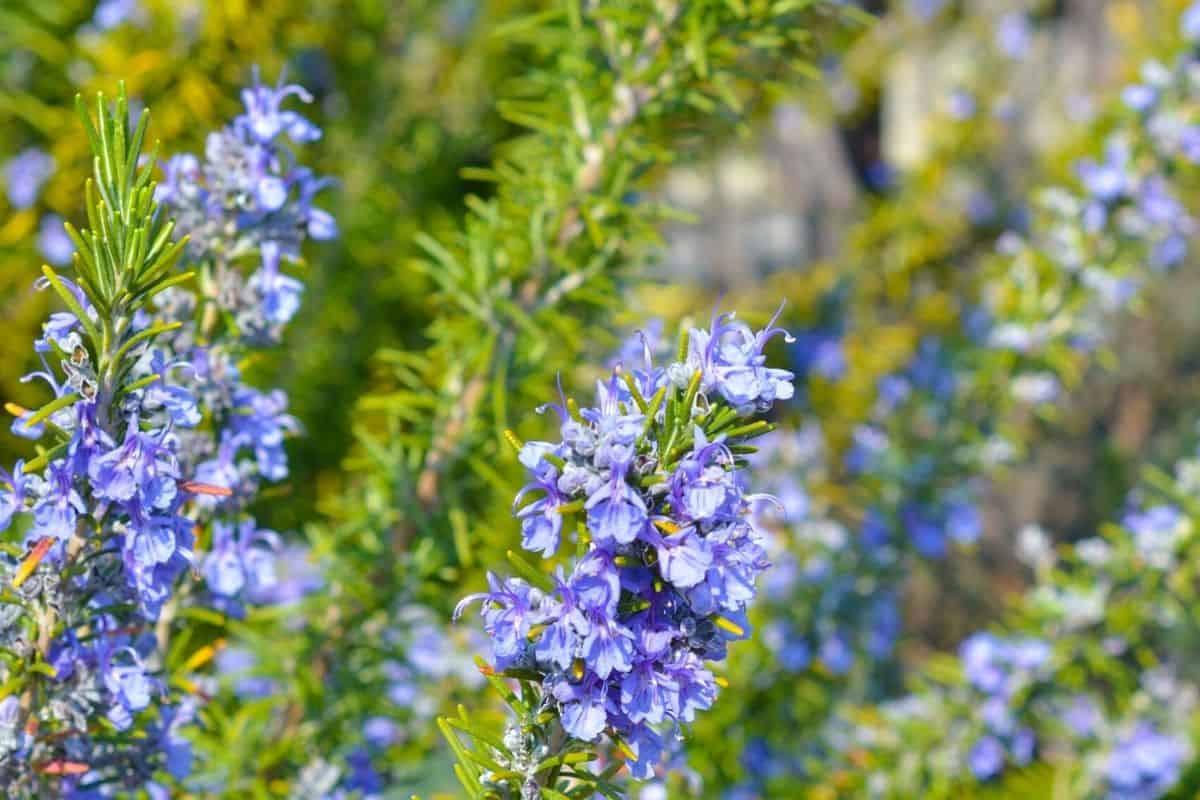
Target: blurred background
[(872, 197)]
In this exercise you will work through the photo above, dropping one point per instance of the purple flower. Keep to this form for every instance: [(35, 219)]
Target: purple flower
[(179, 402), (265, 120), (381, 732), (607, 647), (510, 609), (1108, 180), (1189, 23), (1139, 97), (836, 654), (12, 494), (54, 242), (963, 524), (646, 693), (682, 557), (986, 758), (58, 504), (616, 513), (1144, 764), (1013, 34), (242, 559), (25, 174), (260, 422), (111, 13), (583, 705), (130, 687), (925, 532), (981, 655), (671, 555)]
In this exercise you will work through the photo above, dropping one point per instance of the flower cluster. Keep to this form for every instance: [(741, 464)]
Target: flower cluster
[(1001, 669), (250, 196), (669, 553), (141, 444), (1145, 764)]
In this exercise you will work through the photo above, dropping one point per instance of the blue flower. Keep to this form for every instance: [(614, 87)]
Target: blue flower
[(836, 655), (671, 555), (1189, 23), (510, 609), (242, 559), (1108, 180), (111, 13), (260, 422), (986, 758), (179, 402), (265, 120), (131, 688), (616, 513), (12, 493), (58, 504), (963, 523), (25, 174), (683, 558), (1144, 764), (54, 242), (1013, 34)]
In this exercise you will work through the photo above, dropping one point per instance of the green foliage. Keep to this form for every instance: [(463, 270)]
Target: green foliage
[(524, 284)]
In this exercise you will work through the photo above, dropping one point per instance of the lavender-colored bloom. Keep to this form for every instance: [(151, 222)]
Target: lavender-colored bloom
[(683, 558), (280, 293), (836, 655), (616, 513), (1139, 97), (924, 531), (875, 532), (986, 758), (1108, 180), (671, 562), (381, 732), (265, 119), (12, 494), (981, 655), (1022, 746), (510, 609), (818, 352), (1014, 32), (111, 13), (962, 104), (1083, 716), (1145, 764), (131, 688), (963, 523), (261, 423), (54, 242), (242, 558), (25, 174), (1189, 23), (58, 504)]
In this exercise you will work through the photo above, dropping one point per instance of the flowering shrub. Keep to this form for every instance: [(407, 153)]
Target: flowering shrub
[(142, 446), (668, 557), (166, 629)]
